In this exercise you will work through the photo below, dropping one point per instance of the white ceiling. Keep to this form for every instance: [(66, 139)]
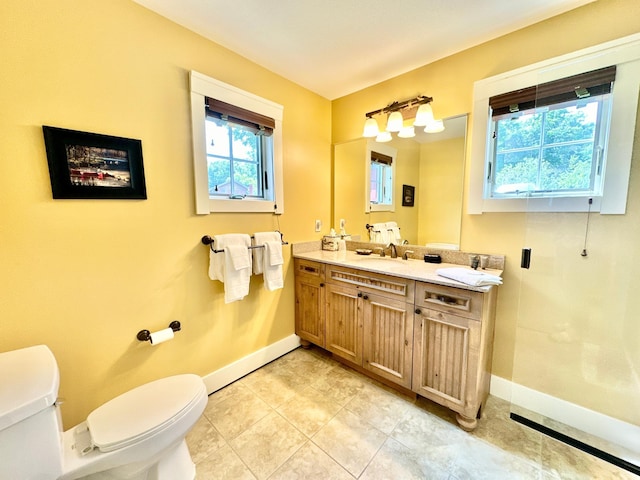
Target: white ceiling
[(337, 47)]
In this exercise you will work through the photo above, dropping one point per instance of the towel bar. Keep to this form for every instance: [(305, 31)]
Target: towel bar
[(208, 240)]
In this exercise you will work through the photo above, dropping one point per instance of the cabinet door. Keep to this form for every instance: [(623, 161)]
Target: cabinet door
[(310, 313), (344, 322), (388, 338), (441, 357)]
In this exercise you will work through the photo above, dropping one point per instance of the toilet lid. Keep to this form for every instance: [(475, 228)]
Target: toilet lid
[(143, 411)]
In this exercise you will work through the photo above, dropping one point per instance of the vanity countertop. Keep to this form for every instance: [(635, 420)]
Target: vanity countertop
[(412, 268)]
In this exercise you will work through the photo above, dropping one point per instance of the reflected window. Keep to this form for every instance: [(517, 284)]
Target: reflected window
[(381, 163)]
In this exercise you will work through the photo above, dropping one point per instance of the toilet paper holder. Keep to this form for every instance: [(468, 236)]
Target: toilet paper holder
[(145, 335)]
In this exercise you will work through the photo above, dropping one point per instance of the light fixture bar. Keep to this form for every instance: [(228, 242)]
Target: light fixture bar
[(397, 106)]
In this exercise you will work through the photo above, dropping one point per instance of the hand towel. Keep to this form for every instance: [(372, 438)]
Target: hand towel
[(394, 233), (379, 233), (259, 238), (233, 267), (272, 268), (469, 276)]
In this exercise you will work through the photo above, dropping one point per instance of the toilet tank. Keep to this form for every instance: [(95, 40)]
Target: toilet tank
[(30, 425)]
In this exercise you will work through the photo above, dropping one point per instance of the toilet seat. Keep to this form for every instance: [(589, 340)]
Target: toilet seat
[(142, 412)]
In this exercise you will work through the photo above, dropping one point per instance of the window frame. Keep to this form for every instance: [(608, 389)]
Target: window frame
[(625, 54), (202, 86)]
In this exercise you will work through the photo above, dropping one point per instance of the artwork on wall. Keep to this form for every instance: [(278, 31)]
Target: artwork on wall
[(408, 194), (90, 165)]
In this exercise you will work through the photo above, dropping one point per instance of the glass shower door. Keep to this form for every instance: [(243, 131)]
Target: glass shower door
[(576, 373)]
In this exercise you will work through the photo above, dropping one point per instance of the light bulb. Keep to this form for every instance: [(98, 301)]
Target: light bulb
[(370, 128), (434, 126), (395, 122), (424, 115), (383, 137), (407, 132)]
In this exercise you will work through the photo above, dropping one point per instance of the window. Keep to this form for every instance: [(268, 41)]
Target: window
[(575, 164), (380, 168), (237, 143), (238, 152), (381, 189), (550, 140)]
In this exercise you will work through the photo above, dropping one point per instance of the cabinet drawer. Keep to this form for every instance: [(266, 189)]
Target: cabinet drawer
[(457, 301), (309, 269), (385, 285)]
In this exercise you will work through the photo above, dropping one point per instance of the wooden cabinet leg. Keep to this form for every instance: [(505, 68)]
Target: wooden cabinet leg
[(305, 344), (466, 423)]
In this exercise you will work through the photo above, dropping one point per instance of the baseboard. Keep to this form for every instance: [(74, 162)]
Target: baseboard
[(238, 369), (589, 421)]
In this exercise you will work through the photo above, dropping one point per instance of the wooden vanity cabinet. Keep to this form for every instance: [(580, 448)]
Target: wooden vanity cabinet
[(453, 343), (310, 301), (369, 321), (432, 339)]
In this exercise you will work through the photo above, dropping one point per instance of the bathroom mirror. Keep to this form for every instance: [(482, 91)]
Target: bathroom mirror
[(430, 166)]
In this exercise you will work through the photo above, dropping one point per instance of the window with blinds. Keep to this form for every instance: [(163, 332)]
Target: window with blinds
[(550, 140), (237, 142)]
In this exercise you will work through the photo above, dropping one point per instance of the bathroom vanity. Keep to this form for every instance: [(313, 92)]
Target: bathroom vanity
[(399, 322)]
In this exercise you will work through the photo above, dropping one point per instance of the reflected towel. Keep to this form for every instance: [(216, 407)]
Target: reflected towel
[(233, 267), (272, 267), (379, 233), (260, 238), (394, 233), (469, 277)]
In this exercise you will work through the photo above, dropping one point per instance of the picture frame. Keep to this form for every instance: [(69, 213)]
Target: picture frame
[(85, 165), (408, 195)]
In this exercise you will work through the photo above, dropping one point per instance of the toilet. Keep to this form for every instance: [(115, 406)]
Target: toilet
[(139, 435)]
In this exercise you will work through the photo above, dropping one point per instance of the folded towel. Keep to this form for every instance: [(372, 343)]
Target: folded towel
[(469, 277), (379, 233), (272, 267), (273, 253), (394, 233), (233, 267), (240, 257), (260, 238)]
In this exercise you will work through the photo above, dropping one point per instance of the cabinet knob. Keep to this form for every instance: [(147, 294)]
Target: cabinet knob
[(322, 284), (366, 297), (418, 311), (360, 294)]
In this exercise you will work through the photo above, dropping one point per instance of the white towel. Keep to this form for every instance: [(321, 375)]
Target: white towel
[(260, 238), (469, 276), (379, 233), (394, 233), (233, 267), (272, 267)]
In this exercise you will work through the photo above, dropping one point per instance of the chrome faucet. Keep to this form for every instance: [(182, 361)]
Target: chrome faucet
[(405, 255), (394, 252), (381, 251)]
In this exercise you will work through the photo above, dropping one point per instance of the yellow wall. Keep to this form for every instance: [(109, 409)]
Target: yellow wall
[(84, 276), (553, 305), (441, 174)]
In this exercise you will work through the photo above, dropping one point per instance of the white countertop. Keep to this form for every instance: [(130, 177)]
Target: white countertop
[(412, 268)]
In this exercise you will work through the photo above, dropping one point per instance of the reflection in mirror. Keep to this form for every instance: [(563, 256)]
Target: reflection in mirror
[(431, 163), (380, 169)]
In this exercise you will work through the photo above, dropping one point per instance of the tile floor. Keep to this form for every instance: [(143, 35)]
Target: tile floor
[(305, 416)]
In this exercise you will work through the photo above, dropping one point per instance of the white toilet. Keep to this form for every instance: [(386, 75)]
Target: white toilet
[(139, 435)]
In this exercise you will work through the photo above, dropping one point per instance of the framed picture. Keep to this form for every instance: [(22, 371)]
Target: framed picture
[(408, 195), (90, 165)]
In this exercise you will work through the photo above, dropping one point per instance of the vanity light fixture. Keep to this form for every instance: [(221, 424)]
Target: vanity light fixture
[(395, 120)]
